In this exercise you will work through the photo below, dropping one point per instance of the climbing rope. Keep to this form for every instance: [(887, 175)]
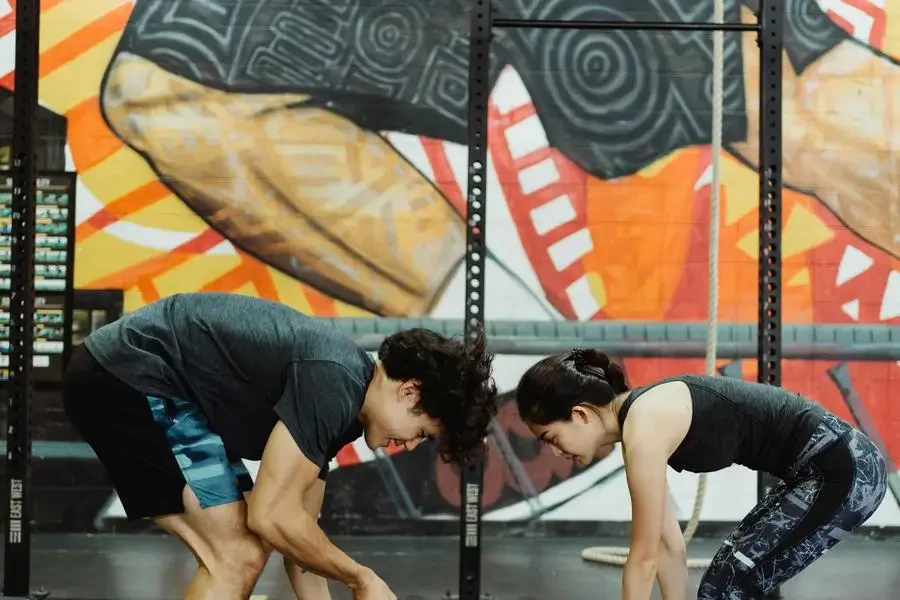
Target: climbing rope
[(614, 555)]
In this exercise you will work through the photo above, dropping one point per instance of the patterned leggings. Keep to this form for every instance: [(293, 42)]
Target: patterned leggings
[(837, 482)]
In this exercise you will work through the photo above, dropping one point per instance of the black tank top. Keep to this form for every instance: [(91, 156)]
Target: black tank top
[(734, 421)]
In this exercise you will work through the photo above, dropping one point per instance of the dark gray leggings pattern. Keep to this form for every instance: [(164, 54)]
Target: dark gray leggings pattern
[(751, 563)]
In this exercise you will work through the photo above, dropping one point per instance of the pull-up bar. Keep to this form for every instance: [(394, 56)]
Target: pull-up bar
[(622, 25)]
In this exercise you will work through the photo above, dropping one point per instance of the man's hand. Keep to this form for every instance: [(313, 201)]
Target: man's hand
[(373, 588), (275, 514)]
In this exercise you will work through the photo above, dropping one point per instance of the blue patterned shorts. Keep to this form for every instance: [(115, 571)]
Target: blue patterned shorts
[(214, 477)]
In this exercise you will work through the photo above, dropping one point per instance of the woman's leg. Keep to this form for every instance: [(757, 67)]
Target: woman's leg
[(836, 491)]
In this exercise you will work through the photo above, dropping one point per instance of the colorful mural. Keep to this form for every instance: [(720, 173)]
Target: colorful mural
[(314, 153)]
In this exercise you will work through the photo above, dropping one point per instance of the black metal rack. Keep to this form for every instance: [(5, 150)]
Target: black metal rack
[(17, 539), (23, 167), (769, 28)]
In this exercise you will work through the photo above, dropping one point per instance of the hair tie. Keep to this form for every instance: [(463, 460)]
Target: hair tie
[(579, 360)]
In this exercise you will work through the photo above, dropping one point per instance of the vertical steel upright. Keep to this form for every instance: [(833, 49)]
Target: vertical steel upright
[(17, 539), (769, 28), (472, 476), (771, 40)]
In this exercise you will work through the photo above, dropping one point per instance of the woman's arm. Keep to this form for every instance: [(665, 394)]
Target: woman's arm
[(672, 573), (656, 425), (645, 470)]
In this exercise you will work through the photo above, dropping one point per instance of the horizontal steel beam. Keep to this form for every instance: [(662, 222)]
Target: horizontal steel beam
[(647, 339), (622, 25)]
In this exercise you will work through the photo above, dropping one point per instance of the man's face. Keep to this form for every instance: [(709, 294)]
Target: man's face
[(398, 422)]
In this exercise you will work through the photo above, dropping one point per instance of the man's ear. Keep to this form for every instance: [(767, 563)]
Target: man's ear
[(409, 390)]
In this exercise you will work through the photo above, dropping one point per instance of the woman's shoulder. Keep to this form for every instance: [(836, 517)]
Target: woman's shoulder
[(664, 407)]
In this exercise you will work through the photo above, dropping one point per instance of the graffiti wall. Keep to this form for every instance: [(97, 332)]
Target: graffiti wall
[(314, 152)]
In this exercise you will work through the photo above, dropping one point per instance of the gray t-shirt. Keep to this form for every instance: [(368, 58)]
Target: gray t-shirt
[(248, 363)]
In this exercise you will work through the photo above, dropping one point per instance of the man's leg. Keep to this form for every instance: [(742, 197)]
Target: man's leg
[(230, 558), (166, 465)]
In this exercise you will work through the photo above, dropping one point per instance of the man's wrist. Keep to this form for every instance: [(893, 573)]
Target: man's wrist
[(360, 577)]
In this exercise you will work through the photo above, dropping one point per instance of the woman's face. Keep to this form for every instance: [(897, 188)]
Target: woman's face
[(578, 439)]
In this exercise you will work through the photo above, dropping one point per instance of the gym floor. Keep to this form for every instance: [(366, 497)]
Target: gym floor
[(155, 567)]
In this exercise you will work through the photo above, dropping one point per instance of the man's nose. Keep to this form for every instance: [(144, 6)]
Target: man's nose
[(412, 445)]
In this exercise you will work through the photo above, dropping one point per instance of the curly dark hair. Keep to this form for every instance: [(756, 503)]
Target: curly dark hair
[(454, 382)]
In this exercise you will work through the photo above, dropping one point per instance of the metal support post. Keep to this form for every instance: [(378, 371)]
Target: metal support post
[(17, 539), (472, 476), (770, 218)]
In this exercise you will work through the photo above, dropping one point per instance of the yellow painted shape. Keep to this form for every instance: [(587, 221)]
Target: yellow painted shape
[(743, 190), (133, 299), (892, 30), (66, 18), (169, 213), (597, 287), (121, 173), (79, 79), (749, 244), (348, 310), (102, 254), (800, 278), (803, 231), (194, 273), (290, 291)]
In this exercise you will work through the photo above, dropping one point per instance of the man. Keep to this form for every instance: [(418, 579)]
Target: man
[(171, 397)]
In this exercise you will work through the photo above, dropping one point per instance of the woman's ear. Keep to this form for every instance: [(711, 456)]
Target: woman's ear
[(580, 414)]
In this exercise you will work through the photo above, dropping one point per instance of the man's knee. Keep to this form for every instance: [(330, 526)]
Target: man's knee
[(242, 560)]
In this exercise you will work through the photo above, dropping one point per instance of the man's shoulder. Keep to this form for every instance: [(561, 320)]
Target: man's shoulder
[(349, 364), (245, 306)]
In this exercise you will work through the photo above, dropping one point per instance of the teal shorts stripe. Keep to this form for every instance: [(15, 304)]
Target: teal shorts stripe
[(214, 478)]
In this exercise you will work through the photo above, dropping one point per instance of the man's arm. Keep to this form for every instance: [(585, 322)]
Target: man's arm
[(672, 573), (306, 584), (286, 475)]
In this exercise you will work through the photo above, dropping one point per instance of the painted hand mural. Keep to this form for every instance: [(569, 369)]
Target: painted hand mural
[(313, 153)]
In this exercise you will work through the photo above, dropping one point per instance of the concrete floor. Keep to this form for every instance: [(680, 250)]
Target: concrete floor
[(154, 567)]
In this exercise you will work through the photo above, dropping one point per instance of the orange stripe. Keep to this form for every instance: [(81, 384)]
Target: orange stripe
[(157, 265), (262, 279), (84, 39), (231, 280), (320, 304), (90, 139), (123, 206), (148, 289)]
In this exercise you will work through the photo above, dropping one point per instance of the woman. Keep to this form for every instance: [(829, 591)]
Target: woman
[(833, 476)]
